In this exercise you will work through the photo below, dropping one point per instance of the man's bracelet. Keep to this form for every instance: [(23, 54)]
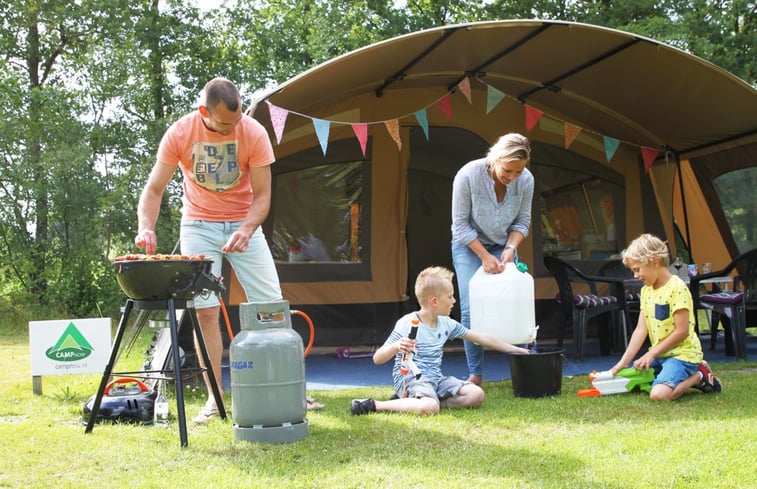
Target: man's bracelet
[(511, 247)]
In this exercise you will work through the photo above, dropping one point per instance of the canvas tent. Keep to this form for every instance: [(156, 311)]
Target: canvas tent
[(367, 145)]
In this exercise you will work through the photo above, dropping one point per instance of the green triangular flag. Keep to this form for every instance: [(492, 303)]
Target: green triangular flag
[(493, 97)]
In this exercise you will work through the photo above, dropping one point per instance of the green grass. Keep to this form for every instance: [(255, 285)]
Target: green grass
[(561, 442)]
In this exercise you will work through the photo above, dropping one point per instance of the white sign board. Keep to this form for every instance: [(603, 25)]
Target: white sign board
[(69, 346)]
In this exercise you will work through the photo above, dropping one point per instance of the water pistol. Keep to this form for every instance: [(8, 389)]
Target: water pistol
[(408, 365), (626, 380)]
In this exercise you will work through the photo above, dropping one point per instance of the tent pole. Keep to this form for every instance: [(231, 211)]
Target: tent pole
[(683, 201)]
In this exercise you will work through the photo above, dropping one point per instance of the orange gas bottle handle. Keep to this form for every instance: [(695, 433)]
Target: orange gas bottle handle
[(293, 311)]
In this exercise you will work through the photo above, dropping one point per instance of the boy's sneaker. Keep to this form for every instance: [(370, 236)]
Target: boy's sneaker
[(363, 406), (709, 382)]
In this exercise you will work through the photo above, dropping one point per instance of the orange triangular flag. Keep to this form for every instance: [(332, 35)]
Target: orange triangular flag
[(464, 87), (361, 132), (393, 126), (532, 117), (571, 132), (649, 155), (446, 106)]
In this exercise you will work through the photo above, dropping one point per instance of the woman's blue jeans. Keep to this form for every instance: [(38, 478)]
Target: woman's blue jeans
[(466, 263)]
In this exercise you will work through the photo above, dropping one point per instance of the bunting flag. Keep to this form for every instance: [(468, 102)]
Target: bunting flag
[(532, 117), (393, 126), (423, 121), (571, 133), (649, 155), (278, 120), (446, 106), (279, 116), (493, 97), (611, 146), (361, 133), (322, 131), (464, 87)]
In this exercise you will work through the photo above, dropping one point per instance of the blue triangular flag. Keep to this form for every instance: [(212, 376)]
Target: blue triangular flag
[(611, 146), (423, 121), (322, 131), (493, 97)]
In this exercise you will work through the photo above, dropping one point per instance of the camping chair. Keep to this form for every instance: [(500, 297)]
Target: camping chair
[(616, 268), (578, 308), (731, 306)]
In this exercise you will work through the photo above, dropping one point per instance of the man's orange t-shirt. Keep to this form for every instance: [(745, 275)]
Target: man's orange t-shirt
[(216, 168)]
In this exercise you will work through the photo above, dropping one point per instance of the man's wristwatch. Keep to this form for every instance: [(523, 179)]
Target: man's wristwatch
[(511, 247)]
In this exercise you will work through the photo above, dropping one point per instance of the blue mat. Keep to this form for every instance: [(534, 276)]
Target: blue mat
[(327, 372)]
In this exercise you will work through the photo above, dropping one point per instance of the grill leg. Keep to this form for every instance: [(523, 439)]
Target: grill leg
[(180, 413), (109, 366), (206, 361)]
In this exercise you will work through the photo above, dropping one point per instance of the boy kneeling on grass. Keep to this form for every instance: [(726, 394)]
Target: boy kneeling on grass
[(667, 318), (431, 390)]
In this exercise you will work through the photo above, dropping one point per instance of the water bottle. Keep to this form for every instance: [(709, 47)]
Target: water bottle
[(161, 407)]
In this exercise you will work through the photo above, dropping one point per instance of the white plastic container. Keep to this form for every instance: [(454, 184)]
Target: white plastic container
[(502, 304)]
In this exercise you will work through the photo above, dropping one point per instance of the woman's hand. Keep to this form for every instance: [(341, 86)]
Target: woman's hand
[(492, 265), (508, 255)]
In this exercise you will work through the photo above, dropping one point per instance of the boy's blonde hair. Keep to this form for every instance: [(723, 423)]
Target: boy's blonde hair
[(432, 282), (645, 249)]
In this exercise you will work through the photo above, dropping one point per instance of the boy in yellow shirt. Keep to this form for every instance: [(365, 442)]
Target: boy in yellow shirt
[(667, 319)]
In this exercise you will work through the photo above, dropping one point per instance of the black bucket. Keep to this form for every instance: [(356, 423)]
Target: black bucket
[(538, 374)]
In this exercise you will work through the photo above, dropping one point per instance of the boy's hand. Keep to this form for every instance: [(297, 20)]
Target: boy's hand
[(644, 362), (406, 345)]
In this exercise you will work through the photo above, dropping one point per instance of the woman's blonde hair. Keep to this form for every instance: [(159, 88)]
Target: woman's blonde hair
[(432, 282), (645, 249), (510, 147)]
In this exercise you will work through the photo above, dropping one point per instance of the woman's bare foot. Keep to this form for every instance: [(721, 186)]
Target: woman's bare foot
[(475, 379)]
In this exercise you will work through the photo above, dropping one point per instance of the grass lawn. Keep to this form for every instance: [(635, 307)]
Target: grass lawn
[(616, 441)]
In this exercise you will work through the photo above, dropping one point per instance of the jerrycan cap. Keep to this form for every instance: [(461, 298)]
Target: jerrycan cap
[(522, 267)]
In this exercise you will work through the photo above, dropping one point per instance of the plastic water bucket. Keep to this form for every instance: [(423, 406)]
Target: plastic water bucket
[(502, 304), (538, 374)]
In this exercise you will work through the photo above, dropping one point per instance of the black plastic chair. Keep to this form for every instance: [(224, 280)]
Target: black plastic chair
[(731, 306), (631, 286), (578, 308)]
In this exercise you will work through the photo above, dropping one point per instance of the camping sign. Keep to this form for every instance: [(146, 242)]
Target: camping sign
[(69, 346)]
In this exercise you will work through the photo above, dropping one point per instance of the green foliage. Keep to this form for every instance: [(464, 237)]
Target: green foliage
[(89, 87)]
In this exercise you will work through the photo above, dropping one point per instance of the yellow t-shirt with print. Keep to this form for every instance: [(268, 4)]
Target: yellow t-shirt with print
[(658, 306)]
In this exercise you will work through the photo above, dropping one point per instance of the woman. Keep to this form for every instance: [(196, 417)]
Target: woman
[(491, 215)]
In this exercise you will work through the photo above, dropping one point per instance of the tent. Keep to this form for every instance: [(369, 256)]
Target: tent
[(627, 136)]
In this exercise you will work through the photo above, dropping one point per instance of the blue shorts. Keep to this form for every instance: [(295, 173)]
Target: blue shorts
[(254, 267), (439, 389), (672, 371)]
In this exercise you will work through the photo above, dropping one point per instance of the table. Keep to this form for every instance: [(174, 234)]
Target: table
[(725, 281)]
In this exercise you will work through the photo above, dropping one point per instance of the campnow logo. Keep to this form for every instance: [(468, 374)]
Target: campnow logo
[(72, 346)]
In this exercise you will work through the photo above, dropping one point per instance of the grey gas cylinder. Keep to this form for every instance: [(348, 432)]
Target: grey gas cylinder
[(267, 365)]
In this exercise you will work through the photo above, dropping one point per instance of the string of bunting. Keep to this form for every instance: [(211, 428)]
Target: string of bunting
[(493, 98)]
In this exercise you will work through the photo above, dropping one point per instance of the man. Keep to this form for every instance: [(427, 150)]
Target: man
[(225, 160)]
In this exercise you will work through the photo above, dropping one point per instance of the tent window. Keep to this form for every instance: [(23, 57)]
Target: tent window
[(318, 222), (736, 192), (578, 213)]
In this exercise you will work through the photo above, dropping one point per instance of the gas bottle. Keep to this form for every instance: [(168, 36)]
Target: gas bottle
[(267, 366), (502, 304)]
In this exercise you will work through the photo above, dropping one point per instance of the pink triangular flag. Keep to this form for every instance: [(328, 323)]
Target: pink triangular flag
[(361, 132), (649, 155), (571, 132), (278, 119), (464, 87), (393, 126), (532, 117), (446, 106)]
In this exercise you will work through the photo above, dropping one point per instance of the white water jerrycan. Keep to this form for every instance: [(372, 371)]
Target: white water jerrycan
[(502, 304)]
